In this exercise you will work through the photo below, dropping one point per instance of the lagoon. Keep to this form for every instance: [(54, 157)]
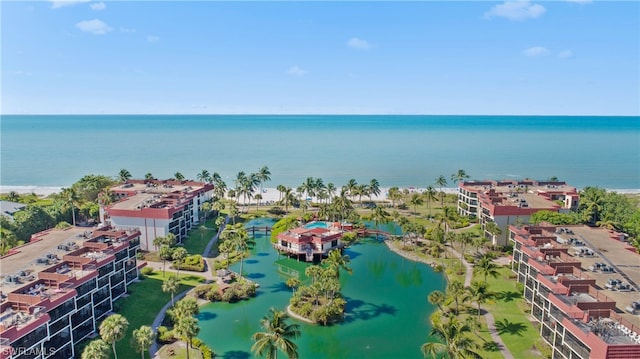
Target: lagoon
[(387, 315)]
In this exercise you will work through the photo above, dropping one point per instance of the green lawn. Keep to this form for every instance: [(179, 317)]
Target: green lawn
[(185, 278), (519, 335), (198, 237), (145, 300)]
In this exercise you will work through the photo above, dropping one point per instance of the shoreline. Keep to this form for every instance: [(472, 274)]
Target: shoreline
[(408, 255), (271, 193)]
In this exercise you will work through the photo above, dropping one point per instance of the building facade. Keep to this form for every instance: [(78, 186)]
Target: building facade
[(309, 240), (157, 208), (579, 313), (58, 287), (512, 202)]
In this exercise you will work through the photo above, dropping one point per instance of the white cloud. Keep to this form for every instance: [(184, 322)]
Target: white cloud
[(297, 71), (98, 6), (535, 51), (127, 30), (359, 44), (56, 4), (566, 54), (152, 38), (95, 26), (516, 10)]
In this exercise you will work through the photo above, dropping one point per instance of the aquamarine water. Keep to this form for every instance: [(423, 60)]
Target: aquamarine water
[(313, 225), (396, 150), (387, 315)]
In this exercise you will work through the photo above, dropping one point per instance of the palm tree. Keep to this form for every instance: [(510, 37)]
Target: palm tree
[(429, 195), (148, 176), (13, 196), (240, 240), (394, 194), (465, 239), (124, 175), (264, 175), (437, 298), (257, 197), (379, 215), (142, 339), (96, 349), (493, 230), (277, 335), (308, 187), (336, 261), (204, 176), (374, 188), (112, 329), (331, 190), (70, 196), (455, 289), (341, 203), (441, 182), (170, 285), (158, 242), (592, 201), (178, 255), (280, 188), (178, 176), (415, 201), (293, 283), (351, 187), (453, 343), (226, 247), (478, 292), (486, 267), (219, 186), (186, 328), (288, 198), (165, 253), (459, 176)]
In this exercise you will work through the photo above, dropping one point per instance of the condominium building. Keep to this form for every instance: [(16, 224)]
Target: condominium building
[(157, 208), (580, 282), (59, 286), (512, 202), (315, 238)]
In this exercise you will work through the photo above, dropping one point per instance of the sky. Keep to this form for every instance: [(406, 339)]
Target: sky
[(574, 57)]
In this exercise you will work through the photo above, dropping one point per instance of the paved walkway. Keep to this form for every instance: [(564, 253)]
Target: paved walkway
[(153, 349), (207, 274), (491, 323)]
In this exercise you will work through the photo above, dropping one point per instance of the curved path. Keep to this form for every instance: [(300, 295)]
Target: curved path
[(153, 350), (467, 282), (491, 323)]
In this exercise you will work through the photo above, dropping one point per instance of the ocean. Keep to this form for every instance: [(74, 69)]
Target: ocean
[(57, 150)]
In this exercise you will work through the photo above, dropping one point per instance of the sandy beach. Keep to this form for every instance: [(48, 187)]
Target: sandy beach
[(268, 194)]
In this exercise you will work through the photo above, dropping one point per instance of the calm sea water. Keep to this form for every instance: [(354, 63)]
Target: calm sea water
[(396, 150)]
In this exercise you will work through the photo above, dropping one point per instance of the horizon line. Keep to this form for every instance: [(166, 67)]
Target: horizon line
[(308, 114)]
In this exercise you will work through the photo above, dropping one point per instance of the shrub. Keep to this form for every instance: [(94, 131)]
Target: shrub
[(202, 290), (207, 353), (191, 263), (520, 287), (276, 210), (165, 336), (214, 295), (146, 271)]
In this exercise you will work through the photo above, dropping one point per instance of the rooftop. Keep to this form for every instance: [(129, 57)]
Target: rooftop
[(161, 187), (595, 249), (527, 185)]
